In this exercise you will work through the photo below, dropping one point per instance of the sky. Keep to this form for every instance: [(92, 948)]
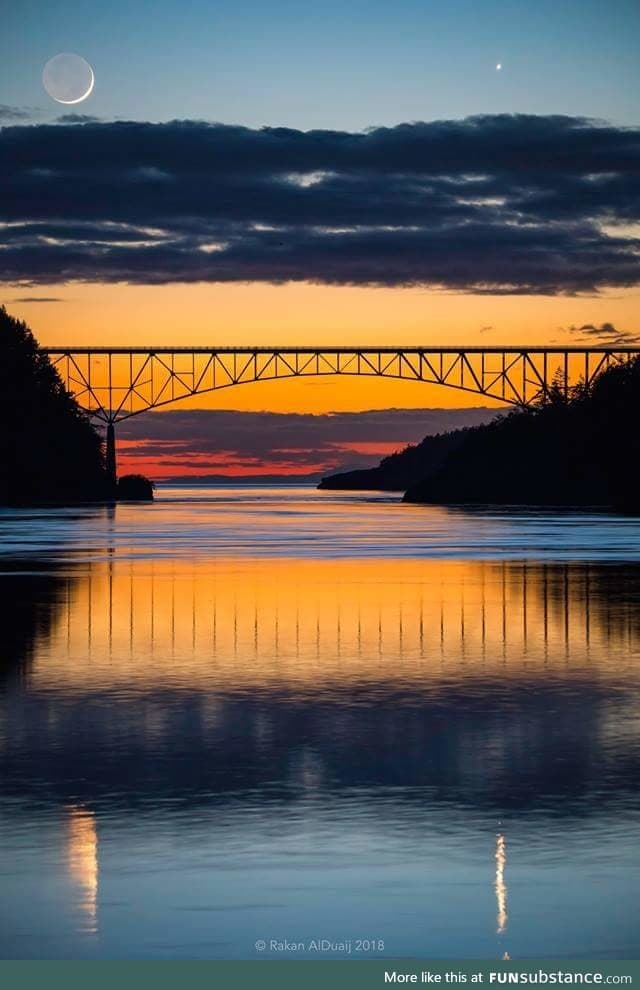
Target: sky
[(206, 443), (359, 172), (348, 65)]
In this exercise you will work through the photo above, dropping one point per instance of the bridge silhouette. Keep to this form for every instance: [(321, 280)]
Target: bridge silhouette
[(115, 383)]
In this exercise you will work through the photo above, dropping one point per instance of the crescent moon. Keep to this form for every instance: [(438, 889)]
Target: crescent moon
[(85, 95), (68, 78)]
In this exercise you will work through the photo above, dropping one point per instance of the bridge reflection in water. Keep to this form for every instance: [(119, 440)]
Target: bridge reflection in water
[(319, 625), (182, 721), (286, 657)]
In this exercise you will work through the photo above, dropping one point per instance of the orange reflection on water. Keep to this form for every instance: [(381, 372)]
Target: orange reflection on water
[(83, 863), (308, 625)]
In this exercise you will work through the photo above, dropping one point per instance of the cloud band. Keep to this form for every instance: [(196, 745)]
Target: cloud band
[(505, 204)]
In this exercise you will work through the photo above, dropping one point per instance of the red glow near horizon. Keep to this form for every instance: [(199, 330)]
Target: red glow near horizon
[(168, 463)]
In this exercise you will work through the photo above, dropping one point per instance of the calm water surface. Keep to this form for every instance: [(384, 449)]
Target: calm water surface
[(243, 714)]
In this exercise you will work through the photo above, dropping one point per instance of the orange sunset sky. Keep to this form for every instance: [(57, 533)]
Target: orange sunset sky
[(305, 314)]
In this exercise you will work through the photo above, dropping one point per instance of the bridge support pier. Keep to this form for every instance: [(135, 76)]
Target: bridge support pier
[(110, 459)]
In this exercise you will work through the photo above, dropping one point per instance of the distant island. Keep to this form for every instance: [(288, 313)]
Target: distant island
[(579, 447), (50, 450), (134, 488), (231, 480), (397, 472)]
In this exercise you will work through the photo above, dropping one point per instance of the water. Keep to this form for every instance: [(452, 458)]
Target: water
[(244, 714)]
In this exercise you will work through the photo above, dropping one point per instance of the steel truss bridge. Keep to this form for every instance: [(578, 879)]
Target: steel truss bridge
[(115, 383)]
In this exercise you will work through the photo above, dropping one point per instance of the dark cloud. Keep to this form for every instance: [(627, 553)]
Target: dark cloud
[(14, 113), (77, 118), (506, 204), (215, 440), (605, 334), (37, 299)]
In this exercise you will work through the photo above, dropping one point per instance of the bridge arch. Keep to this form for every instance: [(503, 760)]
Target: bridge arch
[(116, 383)]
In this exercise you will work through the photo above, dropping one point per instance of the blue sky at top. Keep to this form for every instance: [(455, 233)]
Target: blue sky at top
[(343, 65)]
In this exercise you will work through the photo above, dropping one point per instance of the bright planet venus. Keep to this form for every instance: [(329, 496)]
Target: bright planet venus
[(68, 78)]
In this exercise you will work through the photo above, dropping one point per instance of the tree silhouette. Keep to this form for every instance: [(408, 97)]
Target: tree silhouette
[(49, 450), (134, 488), (581, 446)]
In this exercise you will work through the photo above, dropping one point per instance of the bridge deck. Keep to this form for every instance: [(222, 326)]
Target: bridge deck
[(387, 349)]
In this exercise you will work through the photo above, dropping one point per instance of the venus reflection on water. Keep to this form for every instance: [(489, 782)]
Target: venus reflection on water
[(501, 887), (83, 863)]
